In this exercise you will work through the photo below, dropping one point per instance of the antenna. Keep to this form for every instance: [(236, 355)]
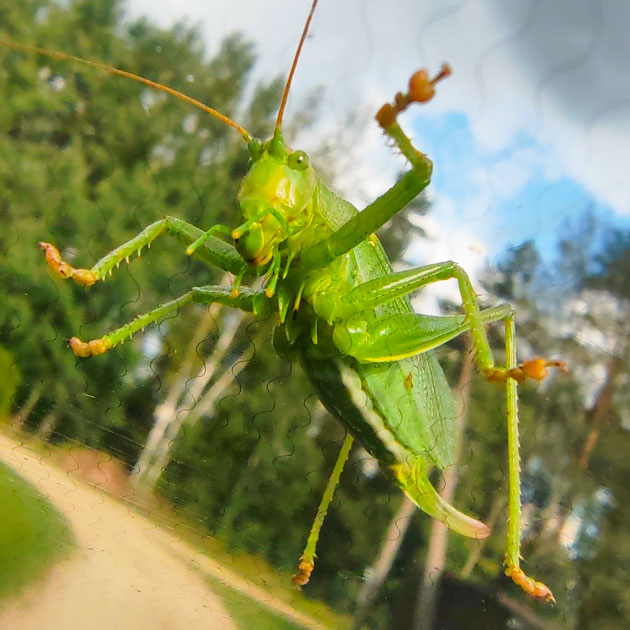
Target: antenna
[(285, 96), (130, 75)]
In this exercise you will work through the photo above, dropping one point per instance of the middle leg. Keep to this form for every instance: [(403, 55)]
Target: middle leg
[(247, 300)]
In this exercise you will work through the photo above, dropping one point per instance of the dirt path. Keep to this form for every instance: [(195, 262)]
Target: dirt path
[(127, 572)]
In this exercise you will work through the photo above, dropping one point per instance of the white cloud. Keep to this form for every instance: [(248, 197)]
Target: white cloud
[(509, 175), (447, 238)]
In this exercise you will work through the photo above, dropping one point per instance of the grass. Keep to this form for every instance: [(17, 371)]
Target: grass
[(33, 534), (246, 612)]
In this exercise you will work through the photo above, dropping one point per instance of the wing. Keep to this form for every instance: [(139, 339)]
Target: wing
[(415, 401)]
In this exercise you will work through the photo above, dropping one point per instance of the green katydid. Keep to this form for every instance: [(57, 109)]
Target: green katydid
[(342, 310)]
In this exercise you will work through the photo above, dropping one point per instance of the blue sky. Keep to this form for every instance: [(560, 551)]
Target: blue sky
[(523, 202)]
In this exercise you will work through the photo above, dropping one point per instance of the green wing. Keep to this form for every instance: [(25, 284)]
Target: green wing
[(414, 398)]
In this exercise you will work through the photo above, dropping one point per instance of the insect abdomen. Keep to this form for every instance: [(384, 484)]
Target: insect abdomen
[(340, 388)]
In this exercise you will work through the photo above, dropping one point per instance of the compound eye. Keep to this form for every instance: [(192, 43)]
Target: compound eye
[(298, 160)]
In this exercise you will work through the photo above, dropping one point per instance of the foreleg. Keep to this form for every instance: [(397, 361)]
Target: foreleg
[(213, 250), (374, 216)]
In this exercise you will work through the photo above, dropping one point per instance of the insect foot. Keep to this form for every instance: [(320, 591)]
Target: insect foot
[(84, 277), (89, 349), (529, 585), (421, 90), (535, 369), (303, 575)]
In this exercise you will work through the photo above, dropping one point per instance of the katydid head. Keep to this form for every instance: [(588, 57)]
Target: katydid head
[(277, 193), (275, 199)]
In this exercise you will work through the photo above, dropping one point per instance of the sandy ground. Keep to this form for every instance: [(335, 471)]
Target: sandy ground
[(127, 573)]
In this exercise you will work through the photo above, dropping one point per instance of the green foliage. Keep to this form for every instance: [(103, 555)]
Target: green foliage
[(33, 533)]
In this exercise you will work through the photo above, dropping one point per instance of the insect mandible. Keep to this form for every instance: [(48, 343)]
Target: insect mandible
[(341, 309)]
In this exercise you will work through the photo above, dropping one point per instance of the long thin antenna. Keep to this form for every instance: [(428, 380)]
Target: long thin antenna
[(130, 75), (285, 96)]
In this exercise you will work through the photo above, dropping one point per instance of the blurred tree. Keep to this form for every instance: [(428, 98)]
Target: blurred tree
[(601, 545), (88, 160)]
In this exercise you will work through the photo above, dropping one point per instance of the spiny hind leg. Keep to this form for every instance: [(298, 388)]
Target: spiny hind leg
[(406, 334), (213, 250), (247, 300), (307, 559), (513, 538), (403, 335)]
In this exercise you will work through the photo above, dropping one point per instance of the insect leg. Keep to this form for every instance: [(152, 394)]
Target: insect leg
[(307, 559), (369, 220), (513, 539), (247, 300), (394, 337), (398, 336), (213, 250), (391, 339), (374, 216)]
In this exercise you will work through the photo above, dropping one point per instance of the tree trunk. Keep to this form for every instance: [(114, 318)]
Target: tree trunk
[(47, 426), (167, 408), (21, 416), (204, 404), (475, 553), (599, 412), (166, 411)]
